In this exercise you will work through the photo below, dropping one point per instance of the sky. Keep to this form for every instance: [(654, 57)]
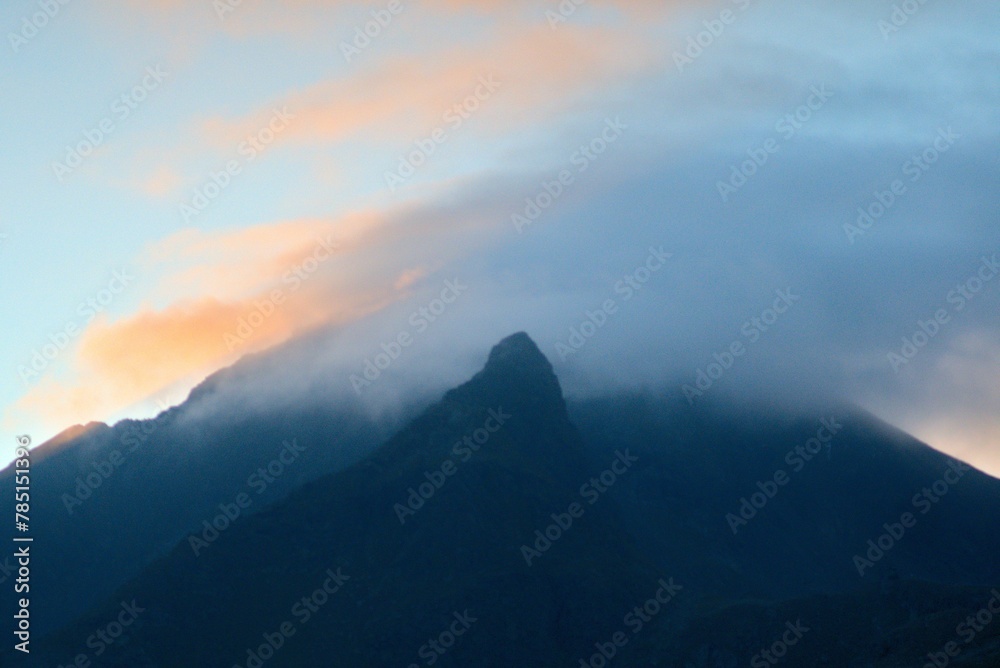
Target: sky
[(785, 200)]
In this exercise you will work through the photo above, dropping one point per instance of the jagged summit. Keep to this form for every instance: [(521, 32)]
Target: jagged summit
[(68, 437), (493, 503), (76, 431), (517, 348), (516, 373), (518, 355)]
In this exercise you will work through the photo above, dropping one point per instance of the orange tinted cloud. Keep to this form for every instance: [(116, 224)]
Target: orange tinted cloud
[(162, 182), (118, 364), (268, 283), (151, 349), (392, 99), (319, 19), (535, 72), (235, 263), (488, 6)]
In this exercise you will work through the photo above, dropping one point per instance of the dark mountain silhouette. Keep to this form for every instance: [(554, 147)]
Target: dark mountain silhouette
[(107, 501), (698, 465), (502, 527)]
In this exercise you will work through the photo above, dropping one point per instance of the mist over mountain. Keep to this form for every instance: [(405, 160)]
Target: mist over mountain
[(108, 500), (502, 527), (527, 334)]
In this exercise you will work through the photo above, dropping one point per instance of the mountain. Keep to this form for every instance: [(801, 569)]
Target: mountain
[(707, 481), (503, 527), (107, 501)]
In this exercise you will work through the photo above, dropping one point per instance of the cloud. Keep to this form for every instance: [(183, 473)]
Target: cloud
[(121, 363), (305, 7), (216, 296), (657, 186), (163, 182), (524, 75), (528, 76), (955, 403)]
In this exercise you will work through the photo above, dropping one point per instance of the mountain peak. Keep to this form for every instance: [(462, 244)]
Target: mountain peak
[(517, 372), (517, 349), (518, 358), (517, 376)]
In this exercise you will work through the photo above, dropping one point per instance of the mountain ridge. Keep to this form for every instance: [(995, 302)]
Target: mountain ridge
[(494, 532)]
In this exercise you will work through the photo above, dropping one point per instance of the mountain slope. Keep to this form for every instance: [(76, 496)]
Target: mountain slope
[(439, 538), (699, 466), (107, 501), (459, 553)]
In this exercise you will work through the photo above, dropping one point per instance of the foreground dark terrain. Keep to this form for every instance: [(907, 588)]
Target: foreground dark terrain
[(502, 527)]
